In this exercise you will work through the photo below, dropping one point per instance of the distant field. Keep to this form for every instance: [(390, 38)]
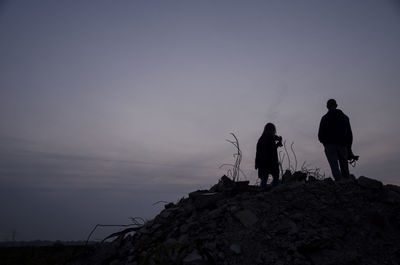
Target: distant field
[(43, 255)]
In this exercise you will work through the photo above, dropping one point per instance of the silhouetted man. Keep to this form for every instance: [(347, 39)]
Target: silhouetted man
[(336, 136)]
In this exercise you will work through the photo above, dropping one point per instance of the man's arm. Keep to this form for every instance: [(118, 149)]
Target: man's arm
[(349, 133), (257, 151), (321, 131)]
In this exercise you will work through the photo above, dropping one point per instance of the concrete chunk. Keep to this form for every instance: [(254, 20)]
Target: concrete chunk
[(369, 183), (193, 258), (246, 217), (236, 249)]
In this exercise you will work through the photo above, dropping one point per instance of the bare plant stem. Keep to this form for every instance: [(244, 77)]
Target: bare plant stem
[(287, 153), (135, 222), (235, 172), (294, 155), (165, 202)]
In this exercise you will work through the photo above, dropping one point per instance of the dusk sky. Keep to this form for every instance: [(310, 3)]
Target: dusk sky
[(107, 107)]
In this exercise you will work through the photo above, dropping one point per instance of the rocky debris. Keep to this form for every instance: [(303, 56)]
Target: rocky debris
[(193, 258), (236, 248), (246, 217), (299, 222)]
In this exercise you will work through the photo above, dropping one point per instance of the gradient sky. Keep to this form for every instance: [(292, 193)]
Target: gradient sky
[(107, 107)]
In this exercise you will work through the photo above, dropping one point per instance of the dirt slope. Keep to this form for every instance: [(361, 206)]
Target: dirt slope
[(314, 222)]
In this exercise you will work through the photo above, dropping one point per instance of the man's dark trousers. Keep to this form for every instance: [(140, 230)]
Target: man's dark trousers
[(337, 156)]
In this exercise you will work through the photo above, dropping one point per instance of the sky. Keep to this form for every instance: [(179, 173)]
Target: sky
[(108, 107)]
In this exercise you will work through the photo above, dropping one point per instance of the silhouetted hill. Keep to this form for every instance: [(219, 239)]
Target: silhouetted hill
[(41, 243), (316, 222)]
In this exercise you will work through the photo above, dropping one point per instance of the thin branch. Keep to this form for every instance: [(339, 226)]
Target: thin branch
[(135, 220), (232, 165), (287, 154), (303, 166), (123, 232), (235, 171), (160, 202), (100, 225), (281, 163), (294, 155)]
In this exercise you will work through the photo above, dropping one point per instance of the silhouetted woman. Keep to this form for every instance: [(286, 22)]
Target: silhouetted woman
[(267, 155)]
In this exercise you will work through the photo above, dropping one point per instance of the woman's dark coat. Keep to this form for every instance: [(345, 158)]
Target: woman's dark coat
[(267, 154)]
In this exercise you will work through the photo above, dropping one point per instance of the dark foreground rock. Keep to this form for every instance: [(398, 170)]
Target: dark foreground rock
[(316, 222)]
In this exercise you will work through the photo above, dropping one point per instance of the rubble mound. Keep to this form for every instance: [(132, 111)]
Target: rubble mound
[(301, 222)]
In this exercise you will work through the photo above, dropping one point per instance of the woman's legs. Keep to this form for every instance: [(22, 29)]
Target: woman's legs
[(263, 175), (264, 182), (275, 180)]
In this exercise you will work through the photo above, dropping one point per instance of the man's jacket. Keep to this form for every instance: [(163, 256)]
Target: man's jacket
[(335, 129)]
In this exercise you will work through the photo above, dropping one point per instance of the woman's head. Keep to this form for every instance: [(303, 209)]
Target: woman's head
[(270, 129)]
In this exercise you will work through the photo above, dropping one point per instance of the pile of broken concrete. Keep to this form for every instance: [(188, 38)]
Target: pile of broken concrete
[(299, 222)]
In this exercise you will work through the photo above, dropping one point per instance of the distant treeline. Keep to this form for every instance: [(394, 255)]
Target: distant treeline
[(42, 243)]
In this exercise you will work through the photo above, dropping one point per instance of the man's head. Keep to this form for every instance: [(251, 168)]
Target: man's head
[(331, 104)]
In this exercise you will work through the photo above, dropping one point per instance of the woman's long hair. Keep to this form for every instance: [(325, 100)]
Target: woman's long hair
[(269, 129)]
